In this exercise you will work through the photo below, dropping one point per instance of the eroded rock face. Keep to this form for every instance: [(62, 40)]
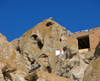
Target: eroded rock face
[(92, 72), (44, 38), (15, 44), (44, 76), (73, 65), (68, 32), (8, 55)]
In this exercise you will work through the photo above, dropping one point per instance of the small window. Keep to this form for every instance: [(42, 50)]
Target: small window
[(83, 42), (57, 52)]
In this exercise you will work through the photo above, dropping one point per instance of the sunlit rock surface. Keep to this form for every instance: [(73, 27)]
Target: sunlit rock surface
[(71, 64), (41, 40), (8, 55)]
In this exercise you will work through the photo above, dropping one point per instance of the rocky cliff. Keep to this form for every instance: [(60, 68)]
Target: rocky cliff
[(37, 46), (40, 42)]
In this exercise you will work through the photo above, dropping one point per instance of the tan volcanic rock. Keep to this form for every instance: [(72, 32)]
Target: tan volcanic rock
[(44, 76), (72, 65), (44, 38), (92, 72), (68, 32), (8, 55), (15, 43), (2, 37)]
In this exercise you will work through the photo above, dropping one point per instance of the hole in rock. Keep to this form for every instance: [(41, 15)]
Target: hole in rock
[(18, 49), (60, 40), (40, 44), (34, 36), (49, 69), (45, 60), (43, 56), (33, 62), (48, 23)]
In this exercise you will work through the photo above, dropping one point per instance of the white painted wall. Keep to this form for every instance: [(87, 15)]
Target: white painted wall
[(57, 52)]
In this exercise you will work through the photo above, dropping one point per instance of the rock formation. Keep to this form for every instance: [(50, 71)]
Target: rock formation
[(71, 64), (37, 46), (10, 61), (92, 72), (44, 76), (68, 32), (41, 40)]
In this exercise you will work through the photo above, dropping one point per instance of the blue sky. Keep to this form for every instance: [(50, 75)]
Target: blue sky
[(18, 16)]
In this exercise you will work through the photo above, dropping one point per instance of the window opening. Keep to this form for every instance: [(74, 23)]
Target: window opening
[(83, 42)]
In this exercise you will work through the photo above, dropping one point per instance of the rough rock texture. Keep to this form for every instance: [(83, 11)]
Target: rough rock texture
[(8, 55), (37, 46), (73, 65), (44, 76), (8, 52), (68, 32), (15, 43), (88, 56), (92, 73), (42, 39)]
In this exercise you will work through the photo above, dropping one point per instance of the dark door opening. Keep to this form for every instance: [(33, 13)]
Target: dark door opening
[(83, 42)]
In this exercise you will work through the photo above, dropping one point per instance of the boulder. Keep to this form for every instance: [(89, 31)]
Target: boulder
[(73, 65), (92, 72), (10, 57)]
